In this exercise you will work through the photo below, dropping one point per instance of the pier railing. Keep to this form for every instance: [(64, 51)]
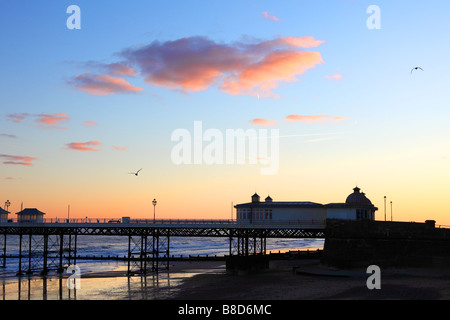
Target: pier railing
[(127, 221)]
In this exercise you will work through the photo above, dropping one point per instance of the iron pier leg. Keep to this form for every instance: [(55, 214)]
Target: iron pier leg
[(129, 254), (145, 253), (142, 264), (4, 251), (75, 250), (168, 251), (153, 252), (29, 254), (157, 253), (20, 256), (70, 248), (61, 251), (45, 270), (246, 245)]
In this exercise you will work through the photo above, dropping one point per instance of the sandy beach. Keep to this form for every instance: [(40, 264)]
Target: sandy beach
[(304, 279), (308, 280)]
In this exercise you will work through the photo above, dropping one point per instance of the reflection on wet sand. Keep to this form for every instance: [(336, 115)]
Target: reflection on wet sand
[(109, 285), (104, 288)]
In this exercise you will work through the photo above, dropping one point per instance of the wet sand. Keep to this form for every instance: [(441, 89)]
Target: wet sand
[(105, 284), (208, 280), (308, 280)]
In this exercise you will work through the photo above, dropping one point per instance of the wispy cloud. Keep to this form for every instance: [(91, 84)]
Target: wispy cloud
[(17, 160), (335, 76), (89, 123), (52, 121), (118, 69), (268, 16), (83, 146), (5, 135), (197, 63), (96, 84), (119, 148), (339, 118), (44, 120), (320, 139), (263, 122), (17, 117), (312, 118)]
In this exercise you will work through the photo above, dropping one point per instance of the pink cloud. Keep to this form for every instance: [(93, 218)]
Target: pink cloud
[(339, 118), (89, 123), (302, 42), (265, 75), (50, 121), (46, 121), (197, 63), (263, 122), (83, 146), (102, 85), (119, 148), (17, 160), (119, 69), (335, 76), (17, 117), (313, 118), (266, 15)]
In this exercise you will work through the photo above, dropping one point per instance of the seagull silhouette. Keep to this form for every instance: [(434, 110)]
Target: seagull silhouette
[(136, 173), (416, 68)]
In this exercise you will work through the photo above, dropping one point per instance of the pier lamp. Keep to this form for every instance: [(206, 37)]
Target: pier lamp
[(391, 210), (154, 209), (384, 208)]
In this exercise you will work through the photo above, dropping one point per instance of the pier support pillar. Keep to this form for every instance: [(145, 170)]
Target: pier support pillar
[(4, 252), (242, 243), (146, 248), (247, 250)]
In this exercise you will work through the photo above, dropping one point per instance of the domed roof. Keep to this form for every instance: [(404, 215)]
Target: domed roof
[(255, 197), (269, 199), (358, 198)]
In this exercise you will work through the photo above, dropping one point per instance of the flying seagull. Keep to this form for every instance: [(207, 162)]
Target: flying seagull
[(416, 68), (136, 173)]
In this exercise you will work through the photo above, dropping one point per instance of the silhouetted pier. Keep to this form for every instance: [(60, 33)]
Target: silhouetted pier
[(53, 245)]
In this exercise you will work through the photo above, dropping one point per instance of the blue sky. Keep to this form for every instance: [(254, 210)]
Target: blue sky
[(395, 127)]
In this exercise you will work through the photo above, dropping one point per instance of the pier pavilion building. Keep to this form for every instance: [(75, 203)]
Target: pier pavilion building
[(3, 215), (356, 207), (30, 215)]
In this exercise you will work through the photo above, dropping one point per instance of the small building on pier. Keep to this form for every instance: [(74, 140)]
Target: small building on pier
[(356, 207), (3, 215), (30, 215)]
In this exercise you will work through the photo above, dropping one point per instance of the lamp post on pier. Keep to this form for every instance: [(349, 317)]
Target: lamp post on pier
[(7, 204), (391, 210), (384, 208), (154, 209)]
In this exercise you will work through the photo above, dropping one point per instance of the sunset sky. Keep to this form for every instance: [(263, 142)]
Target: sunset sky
[(82, 108)]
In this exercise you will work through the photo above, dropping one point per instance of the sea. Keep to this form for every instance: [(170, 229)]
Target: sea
[(105, 280)]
